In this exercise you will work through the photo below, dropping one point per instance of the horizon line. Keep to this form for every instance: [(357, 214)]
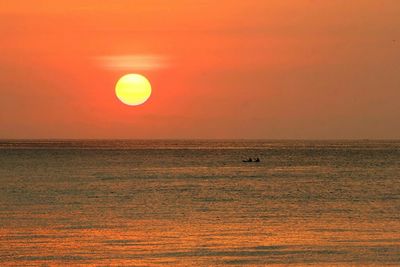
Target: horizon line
[(198, 139)]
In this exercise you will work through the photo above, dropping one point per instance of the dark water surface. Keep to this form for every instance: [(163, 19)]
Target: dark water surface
[(195, 203)]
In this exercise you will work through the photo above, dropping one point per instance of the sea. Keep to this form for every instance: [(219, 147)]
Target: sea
[(196, 203)]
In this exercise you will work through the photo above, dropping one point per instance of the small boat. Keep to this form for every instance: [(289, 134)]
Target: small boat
[(251, 160)]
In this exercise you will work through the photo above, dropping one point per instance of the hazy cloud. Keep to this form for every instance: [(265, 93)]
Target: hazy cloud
[(133, 62)]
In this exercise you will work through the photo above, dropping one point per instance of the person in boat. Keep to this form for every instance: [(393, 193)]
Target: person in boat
[(257, 160)]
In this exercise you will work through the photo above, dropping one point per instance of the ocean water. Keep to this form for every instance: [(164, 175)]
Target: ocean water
[(195, 203)]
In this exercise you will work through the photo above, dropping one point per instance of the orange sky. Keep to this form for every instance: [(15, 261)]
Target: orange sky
[(219, 69)]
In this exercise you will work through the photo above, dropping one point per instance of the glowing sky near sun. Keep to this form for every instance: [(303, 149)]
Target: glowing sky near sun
[(218, 69)]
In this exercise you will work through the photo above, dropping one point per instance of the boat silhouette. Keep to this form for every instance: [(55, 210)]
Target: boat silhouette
[(251, 160)]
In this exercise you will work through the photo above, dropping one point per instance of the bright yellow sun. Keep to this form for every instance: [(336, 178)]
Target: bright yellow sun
[(133, 89)]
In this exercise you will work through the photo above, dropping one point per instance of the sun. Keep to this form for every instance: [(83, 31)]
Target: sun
[(133, 89)]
